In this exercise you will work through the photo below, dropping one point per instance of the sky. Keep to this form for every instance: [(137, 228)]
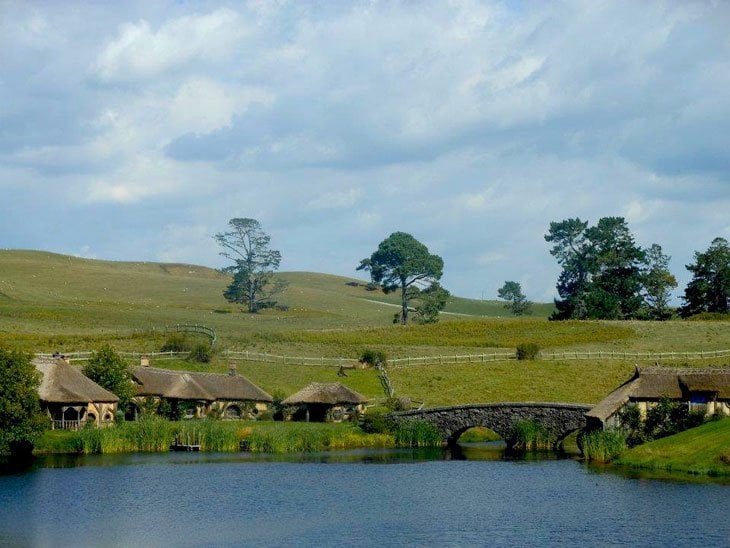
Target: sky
[(135, 130)]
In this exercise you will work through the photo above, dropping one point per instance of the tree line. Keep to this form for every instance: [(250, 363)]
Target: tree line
[(605, 274)]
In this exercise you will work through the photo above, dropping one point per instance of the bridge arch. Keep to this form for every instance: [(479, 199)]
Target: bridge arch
[(560, 419)]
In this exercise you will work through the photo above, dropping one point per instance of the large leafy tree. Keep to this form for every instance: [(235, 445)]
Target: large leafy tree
[(109, 370), (516, 300), (709, 289), (658, 282), (602, 269), (402, 262), (21, 420), (572, 250), (254, 263)]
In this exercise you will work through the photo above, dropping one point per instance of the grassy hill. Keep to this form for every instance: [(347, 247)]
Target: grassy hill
[(54, 302), (47, 299), (701, 450)]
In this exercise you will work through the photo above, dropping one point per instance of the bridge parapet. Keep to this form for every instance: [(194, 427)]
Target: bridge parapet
[(560, 419)]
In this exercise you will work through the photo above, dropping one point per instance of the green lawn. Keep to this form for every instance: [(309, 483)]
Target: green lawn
[(702, 450)]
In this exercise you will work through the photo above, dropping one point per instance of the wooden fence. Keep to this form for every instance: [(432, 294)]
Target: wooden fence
[(348, 363), (641, 356), (85, 355), (261, 357), (193, 328)]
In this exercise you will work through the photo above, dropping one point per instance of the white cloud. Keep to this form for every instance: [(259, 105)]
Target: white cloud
[(140, 52), (201, 105)]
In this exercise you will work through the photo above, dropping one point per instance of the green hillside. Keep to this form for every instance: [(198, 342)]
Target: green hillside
[(52, 302), (45, 297)]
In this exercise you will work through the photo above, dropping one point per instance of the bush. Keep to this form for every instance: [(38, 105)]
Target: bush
[(201, 353), (528, 351), (176, 342), (373, 357), (376, 422)]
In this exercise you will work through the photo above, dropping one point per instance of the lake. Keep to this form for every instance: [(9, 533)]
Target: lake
[(473, 497)]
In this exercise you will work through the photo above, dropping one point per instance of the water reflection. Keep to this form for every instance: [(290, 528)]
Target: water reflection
[(478, 451)]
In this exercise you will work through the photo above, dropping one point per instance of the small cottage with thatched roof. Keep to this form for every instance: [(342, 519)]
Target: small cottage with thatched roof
[(230, 396), (70, 399), (325, 402), (706, 390)]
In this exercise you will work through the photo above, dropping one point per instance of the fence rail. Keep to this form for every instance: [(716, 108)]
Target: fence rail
[(193, 328), (84, 356), (261, 357), (650, 356), (348, 363)]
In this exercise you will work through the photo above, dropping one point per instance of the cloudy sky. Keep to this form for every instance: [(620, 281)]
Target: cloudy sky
[(136, 130)]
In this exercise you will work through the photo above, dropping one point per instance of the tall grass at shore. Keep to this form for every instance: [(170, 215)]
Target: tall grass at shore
[(530, 435), (156, 435), (602, 446), (417, 434), (278, 437)]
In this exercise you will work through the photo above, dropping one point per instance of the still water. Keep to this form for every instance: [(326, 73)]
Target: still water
[(353, 498)]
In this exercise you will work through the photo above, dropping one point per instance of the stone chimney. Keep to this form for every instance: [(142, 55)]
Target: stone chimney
[(144, 360), (232, 369)]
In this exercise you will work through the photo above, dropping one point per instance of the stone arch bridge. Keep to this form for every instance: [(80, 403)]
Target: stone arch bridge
[(560, 419)]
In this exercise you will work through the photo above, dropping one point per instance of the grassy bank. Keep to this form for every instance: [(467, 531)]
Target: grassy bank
[(155, 435), (702, 450)]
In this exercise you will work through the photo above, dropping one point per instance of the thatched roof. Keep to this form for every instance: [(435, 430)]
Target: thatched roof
[(707, 381), (185, 385), (652, 383), (327, 393), (614, 401), (64, 383)]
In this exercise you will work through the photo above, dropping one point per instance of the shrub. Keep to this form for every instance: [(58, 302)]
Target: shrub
[(528, 351), (373, 357), (176, 342), (200, 353), (376, 422)]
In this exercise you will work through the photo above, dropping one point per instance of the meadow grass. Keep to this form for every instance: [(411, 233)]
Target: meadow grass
[(704, 450)]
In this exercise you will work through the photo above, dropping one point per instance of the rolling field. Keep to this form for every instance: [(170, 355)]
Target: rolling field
[(52, 302)]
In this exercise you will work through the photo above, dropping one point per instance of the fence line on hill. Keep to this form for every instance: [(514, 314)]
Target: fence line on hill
[(193, 328), (262, 357), (348, 363)]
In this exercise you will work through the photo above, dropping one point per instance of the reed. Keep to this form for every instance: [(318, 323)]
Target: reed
[(210, 435), (602, 446), (417, 434), (531, 435)]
